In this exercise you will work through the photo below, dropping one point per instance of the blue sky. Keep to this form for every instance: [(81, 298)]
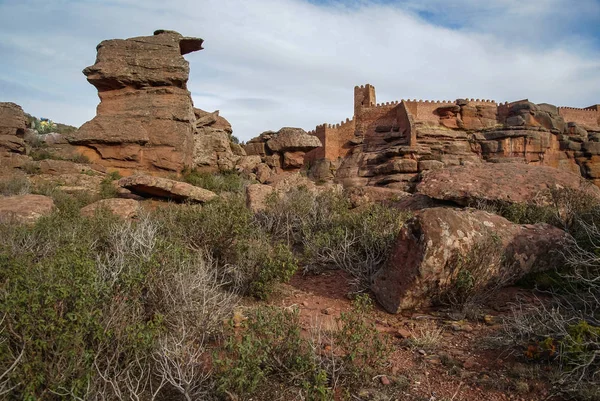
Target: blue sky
[(274, 63)]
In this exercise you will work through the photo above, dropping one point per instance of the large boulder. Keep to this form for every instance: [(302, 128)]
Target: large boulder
[(149, 186), (145, 119), (502, 182), (423, 263), (25, 208)]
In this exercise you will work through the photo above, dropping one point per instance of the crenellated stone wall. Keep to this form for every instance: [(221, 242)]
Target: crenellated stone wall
[(392, 143)]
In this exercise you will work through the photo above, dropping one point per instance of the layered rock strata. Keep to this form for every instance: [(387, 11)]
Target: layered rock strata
[(145, 119), (391, 144)]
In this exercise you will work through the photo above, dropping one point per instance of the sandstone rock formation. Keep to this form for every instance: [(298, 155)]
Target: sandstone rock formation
[(279, 151), (502, 182), (213, 145), (25, 208), (12, 120), (423, 264), (145, 119), (124, 208), (149, 186), (390, 145), (12, 128)]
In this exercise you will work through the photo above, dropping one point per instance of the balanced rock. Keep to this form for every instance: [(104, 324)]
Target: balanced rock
[(145, 119), (423, 263), (290, 139), (503, 182), (25, 208), (283, 150), (149, 186)]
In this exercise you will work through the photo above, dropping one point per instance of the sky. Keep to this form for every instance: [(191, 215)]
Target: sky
[(273, 63)]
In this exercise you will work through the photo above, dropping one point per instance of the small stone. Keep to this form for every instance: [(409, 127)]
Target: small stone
[(326, 311), (422, 352), (384, 380), (403, 333), (304, 303)]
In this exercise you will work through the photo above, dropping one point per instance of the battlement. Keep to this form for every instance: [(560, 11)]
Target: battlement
[(591, 109), (371, 119), (588, 116)]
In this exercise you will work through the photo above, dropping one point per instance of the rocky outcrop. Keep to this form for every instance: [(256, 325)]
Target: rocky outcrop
[(158, 187), (12, 120), (25, 208), (12, 128), (124, 208), (145, 119), (281, 151), (214, 148), (502, 182), (423, 264)]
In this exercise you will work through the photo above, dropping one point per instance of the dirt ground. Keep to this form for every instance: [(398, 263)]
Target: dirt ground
[(461, 365)]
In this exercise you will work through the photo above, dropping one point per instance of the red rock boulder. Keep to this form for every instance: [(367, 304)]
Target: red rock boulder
[(423, 263)]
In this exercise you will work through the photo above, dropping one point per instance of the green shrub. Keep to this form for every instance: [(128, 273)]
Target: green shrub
[(251, 260), (107, 187), (225, 181), (331, 234), (271, 347), (366, 351), (102, 308), (566, 329)]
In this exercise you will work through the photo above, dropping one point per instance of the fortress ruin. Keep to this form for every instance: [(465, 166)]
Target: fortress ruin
[(452, 133)]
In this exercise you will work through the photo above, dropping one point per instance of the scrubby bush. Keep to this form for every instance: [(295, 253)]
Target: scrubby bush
[(271, 348), (331, 234), (107, 187), (566, 329), (251, 259), (17, 185), (225, 181), (106, 309), (562, 208)]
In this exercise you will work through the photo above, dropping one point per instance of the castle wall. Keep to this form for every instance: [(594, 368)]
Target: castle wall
[(423, 111), (335, 139), (589, 117)]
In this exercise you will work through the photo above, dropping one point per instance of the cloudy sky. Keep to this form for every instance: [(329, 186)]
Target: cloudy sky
[(274, 63)]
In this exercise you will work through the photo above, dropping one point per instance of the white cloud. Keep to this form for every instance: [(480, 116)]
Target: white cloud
[(271, 63)]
